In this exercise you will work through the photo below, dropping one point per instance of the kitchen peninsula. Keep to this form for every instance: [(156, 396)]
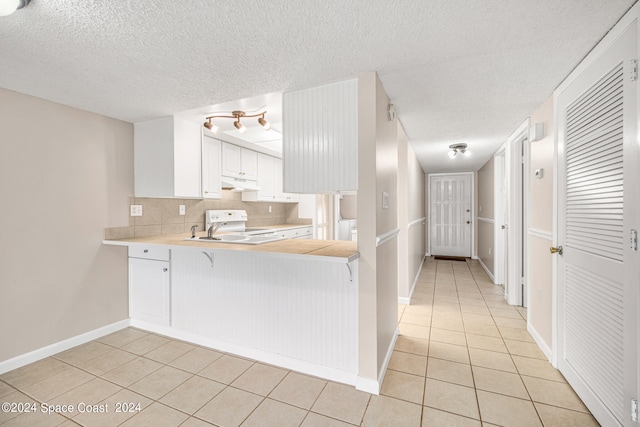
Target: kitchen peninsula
[(291, 303)]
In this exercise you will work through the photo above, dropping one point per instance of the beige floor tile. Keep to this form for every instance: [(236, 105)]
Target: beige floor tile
[(403, 386), (510, 323), (452, 398), (57, 384), (416, 320), (342, 402), (16, 398), (482, 329), (89, 393), (480, 309), (34, 372), (409, 363), (453, 372), (412, 345), (499, 382), (260, 379), (160, 382), (473, 318), (272, 413), (196, 422), (537, 368), (196, 360), (226, 369), (448, 336), (145, 344), (298, 390), (486, 343), (123, 337), (385, 411), (317, 420), (35, 419), (157, 415), (452, 325), (192, 395), (507, 411), (553, 393), (82, 353), (436, 418), (5, 389), (492, 360), (230, 407), (474, 302), (506, 312), (111, 417), (454, 353), (409, 330), (526, 349), (133, 371), (419, 309), (553, 416), (107, 361), (169, 351), (515, 334)]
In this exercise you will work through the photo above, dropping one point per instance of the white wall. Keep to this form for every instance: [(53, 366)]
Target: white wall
[(486, 217), (65, 175)]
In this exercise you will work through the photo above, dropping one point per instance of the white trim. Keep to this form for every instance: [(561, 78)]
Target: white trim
[(486, 270), (540, 233), (50, 350), (384, 238), (489, 220), (500, 256), (543, 345), (371, 386), (416, 222), (407, 300), (291, 363)]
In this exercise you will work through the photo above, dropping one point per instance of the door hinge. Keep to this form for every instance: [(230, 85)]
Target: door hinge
[(634, 240), (634, 410), (634, 70)]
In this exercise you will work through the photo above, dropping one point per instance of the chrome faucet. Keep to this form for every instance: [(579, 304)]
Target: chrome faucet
[(213, 228), (193, 231)]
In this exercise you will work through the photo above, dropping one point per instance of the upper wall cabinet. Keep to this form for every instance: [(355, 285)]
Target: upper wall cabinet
[(239, 162), (211, 167), (320, 138), (167, 158)]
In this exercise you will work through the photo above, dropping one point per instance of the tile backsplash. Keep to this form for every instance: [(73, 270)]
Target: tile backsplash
[(161, 215)]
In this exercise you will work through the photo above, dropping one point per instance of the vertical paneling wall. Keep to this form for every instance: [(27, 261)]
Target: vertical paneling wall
[(320, 138)]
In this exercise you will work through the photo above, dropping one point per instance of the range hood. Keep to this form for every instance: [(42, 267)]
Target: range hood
[(238, 185)]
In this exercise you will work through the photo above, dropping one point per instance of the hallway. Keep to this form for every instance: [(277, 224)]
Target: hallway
[(464, 358)]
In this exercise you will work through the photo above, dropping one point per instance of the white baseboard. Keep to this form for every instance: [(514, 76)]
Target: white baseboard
[(407, 300), (50, 350), (291, 363), (543, 346), (372, 386), (486, 270)]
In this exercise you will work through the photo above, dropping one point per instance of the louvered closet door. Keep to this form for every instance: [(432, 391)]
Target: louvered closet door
[(597, 338)]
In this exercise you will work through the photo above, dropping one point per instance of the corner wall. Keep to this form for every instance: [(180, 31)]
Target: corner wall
[(486, 217), (64, 177)]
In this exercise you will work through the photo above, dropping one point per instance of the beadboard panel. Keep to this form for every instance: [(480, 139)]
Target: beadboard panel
[(305, 310), (320, 138)]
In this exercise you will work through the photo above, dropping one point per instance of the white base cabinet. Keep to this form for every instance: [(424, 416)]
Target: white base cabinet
[(150, 290)]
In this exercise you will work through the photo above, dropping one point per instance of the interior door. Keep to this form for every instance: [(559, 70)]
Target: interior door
[(597, 199), (450, 214)]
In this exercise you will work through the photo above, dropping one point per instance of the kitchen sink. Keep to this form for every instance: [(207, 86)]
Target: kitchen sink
[(235, 238)]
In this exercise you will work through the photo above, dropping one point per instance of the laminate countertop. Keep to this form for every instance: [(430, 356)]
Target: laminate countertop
[(331, 250)]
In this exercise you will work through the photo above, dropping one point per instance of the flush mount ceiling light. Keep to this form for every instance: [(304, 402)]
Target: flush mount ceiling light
[(454, 149), (7, 7), (237, 115)]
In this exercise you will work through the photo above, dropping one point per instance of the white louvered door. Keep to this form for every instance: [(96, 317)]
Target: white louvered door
[(597, 329), (450, 214)]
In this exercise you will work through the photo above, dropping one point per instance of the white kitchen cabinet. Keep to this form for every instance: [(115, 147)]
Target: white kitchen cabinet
[(211, 167), (239, 162), (150, 289), (280, 195), (167, 158), (320, 138), (265, 181)]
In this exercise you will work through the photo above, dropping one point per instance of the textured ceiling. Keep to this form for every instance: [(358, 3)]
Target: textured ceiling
[(457, 71)]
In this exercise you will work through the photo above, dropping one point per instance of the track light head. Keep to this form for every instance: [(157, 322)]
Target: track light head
[(265, 124), (239, 126)]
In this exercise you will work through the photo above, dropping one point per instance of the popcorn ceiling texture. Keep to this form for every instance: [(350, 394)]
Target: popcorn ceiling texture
[(467, 71), (161, 216)]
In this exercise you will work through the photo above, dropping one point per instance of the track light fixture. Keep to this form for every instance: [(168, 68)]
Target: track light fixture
[(239, 126), (7, 7), (454, 149)]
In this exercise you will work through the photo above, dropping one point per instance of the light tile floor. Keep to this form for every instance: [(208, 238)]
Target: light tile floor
[(463, 358)]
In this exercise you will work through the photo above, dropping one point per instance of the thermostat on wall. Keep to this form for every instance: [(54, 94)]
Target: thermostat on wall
[(538, 173)]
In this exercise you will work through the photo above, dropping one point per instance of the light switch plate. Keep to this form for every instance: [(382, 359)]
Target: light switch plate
[(183, 210), (136, 210)]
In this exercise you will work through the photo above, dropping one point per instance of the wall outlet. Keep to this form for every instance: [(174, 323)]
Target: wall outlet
[(183, 210), (136, 210), (270, 209)]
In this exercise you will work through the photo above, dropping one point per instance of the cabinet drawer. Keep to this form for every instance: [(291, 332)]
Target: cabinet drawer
[(149, 252)]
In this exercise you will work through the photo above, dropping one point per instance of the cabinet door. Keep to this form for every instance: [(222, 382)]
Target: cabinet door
[(249, 164), (149, 291), (265, 177), (280, 195), (211, 168), (231, 160)]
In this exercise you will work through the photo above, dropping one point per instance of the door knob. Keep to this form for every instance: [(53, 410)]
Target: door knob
[(468, 222), (503, 226), (555, 250)]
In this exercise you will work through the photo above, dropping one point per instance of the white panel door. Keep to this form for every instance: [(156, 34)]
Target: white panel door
[(597, 270), (450, 214)]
